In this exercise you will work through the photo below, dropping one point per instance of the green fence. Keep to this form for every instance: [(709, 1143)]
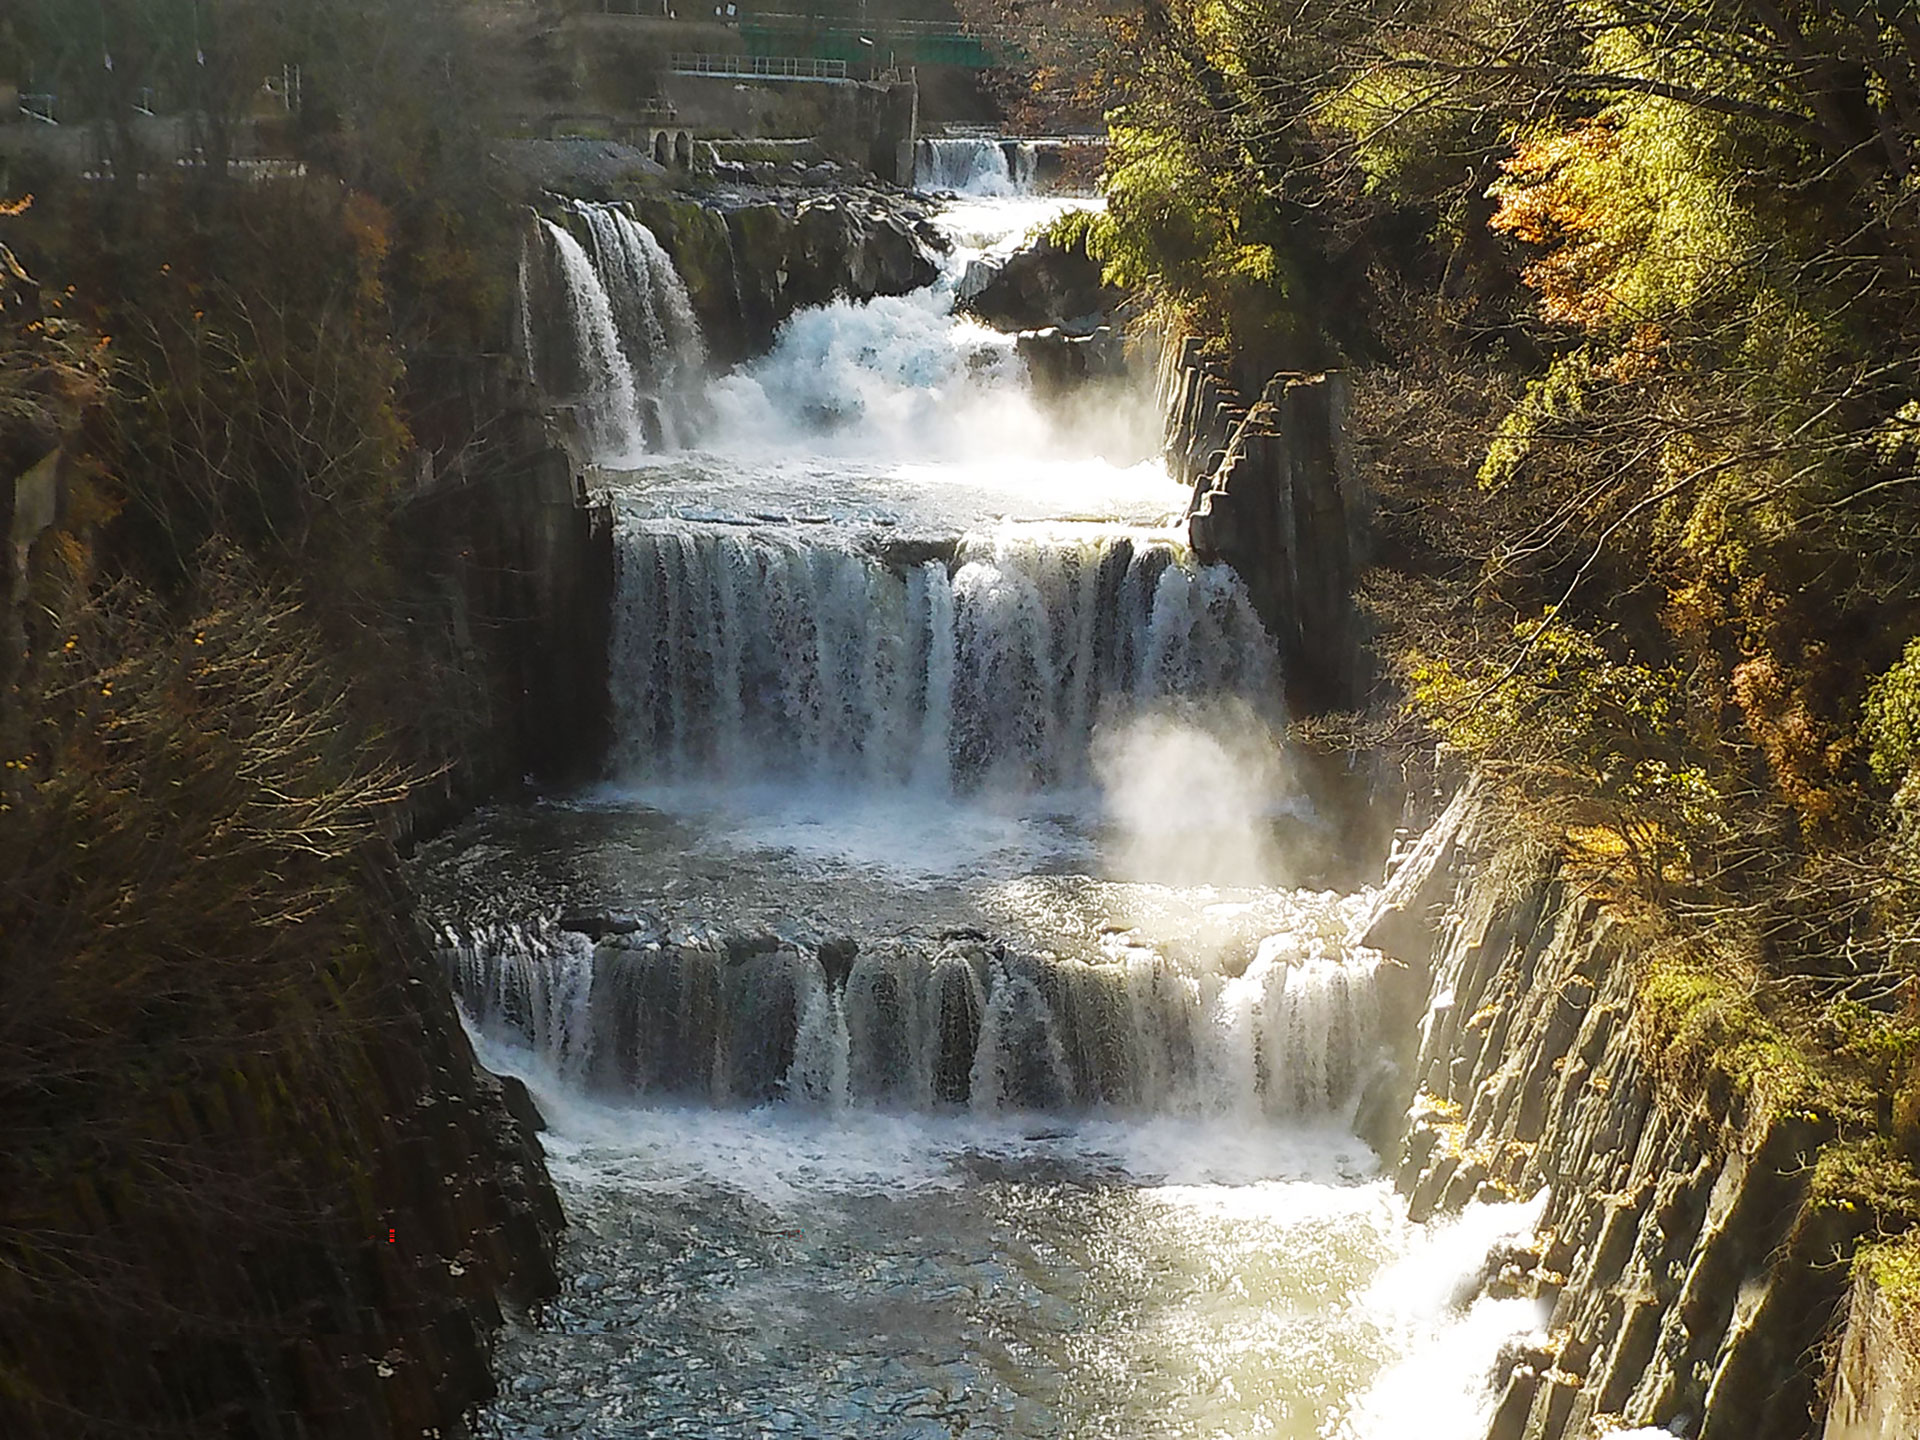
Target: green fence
[(890, 46)]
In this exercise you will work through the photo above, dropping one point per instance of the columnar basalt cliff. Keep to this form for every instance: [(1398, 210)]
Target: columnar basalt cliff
[(513, 566), (1876, 1377), (1276, 495), (1687, 1267)]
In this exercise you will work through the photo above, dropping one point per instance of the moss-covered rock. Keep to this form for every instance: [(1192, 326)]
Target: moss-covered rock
[(701, 244)]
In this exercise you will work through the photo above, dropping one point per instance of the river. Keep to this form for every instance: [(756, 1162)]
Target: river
[(930, 1035)]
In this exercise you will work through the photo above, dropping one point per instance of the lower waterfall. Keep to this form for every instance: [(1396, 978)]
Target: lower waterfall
[(967, 1024)]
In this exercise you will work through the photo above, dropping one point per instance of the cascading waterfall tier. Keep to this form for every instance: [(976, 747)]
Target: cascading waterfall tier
[(627, 352), (746, 655), (975, 165), (966, 1024)]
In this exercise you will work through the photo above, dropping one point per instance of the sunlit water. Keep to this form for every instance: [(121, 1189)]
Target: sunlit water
[(1215, 1256)]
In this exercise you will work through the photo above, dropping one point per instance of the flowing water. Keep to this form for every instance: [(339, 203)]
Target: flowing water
[(931, 1039), (974, 165)]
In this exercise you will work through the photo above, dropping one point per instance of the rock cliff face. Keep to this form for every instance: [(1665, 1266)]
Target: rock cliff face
[(1876, 1379), (333, 1261), (1276, 496), (750, 265), (309, 1234), (1685, 1271), (1042, 286), (512, 567)]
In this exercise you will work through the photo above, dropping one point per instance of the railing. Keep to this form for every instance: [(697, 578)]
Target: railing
[(758, 67), (786, 20), (881, 26)]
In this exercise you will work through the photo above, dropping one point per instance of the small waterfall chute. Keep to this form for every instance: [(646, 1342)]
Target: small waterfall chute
[(659, 333), (629, 356), (604, 394), (975, 165)]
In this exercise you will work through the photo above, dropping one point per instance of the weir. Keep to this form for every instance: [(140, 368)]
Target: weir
[(975, 165)]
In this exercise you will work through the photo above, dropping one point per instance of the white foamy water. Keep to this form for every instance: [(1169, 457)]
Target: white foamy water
[(974, 165), (771, 1271), (952, 1057)]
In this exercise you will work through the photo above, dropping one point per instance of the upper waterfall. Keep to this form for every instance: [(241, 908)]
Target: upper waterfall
[(974, 165)]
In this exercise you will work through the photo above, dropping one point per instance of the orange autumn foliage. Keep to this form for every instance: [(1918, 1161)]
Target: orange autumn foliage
[(1550, 199)]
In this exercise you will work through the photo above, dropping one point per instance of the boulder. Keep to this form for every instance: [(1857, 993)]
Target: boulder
[(1042, 287), (1059, 363)]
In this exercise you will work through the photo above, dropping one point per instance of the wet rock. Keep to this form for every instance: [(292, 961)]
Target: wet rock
[(600, 924), (518, 1101), (743, 946), (701, 243), (748, 267), (592, 169), (1689, 1276), (837, 956), (1058, 363), (903, 555), (1044, 286), (1516, 1401)]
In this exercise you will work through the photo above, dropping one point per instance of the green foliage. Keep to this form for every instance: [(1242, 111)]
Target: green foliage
[(1705, 1022), (1865, 1175), (1893, 718), (1644, 441), (1164, 218), (1554, 401), (1407, 136), (1209, 248), (1070, 230), (1893, 1266), (1567, 707)]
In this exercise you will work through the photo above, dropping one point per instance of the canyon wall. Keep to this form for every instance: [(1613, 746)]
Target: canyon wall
[(748, 267), (510, 567), (1876, 1376), (1689, 1264), (301, 1219), (1276, 495), (310, 1240)]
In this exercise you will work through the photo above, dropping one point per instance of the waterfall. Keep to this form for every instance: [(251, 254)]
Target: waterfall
[(607, 400), (534, 981), (975, 165), (658, 331), (745, 655), (961, 1024), (630, 355)]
